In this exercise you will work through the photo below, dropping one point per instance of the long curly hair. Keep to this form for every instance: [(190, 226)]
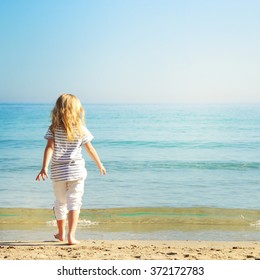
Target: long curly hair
[(68, 114)]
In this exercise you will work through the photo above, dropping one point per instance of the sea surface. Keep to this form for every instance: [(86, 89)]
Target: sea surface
[(179, 171)]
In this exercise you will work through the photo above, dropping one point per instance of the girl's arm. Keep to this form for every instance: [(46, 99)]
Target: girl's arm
[(46, 160), (94, 155)]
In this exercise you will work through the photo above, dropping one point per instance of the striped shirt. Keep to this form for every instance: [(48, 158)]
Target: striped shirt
[(68, 163)]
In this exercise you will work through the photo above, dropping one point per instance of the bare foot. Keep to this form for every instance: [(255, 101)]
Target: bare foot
[(72, 241), (59, 237)]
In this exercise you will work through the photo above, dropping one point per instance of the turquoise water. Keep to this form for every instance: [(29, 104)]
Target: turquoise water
[(155, 155), (159, 156)]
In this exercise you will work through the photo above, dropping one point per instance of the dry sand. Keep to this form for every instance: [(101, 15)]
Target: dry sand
[(130, 250)]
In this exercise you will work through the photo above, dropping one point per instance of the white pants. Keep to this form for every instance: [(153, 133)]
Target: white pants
[(68, 197)]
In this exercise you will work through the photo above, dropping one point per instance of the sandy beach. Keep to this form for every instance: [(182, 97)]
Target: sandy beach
[(129, 250)]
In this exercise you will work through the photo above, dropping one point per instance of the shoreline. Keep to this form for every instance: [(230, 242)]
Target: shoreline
[(130, 250)]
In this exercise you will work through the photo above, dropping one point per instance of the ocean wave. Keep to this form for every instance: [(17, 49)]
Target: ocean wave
[(162, 144), (171, 164), (165, 216)]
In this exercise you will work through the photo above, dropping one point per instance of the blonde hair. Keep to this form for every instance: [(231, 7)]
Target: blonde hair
[(68, 114)]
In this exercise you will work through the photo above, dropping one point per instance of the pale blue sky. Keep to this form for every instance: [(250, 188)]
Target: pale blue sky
[(130, 50)]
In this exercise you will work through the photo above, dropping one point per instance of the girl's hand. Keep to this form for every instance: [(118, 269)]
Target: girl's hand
[(94, 155), (43, 174), (102, 170), (46, 159)]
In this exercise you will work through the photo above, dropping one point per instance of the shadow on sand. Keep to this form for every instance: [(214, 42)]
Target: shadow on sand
[(33, 243)]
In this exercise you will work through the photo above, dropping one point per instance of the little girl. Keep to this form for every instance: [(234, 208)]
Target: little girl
[(65, 137)]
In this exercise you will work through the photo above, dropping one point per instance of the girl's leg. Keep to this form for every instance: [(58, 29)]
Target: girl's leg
[(74, 200), (60, 208), (61, 230), (73, 217)]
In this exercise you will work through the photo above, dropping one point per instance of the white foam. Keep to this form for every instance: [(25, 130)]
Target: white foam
[(256, 224), (81, 223)]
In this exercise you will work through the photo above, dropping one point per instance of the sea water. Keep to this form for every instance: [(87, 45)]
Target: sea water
[(178, 156)]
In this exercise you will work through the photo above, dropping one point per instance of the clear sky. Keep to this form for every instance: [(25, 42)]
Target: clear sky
[(109, 51)]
